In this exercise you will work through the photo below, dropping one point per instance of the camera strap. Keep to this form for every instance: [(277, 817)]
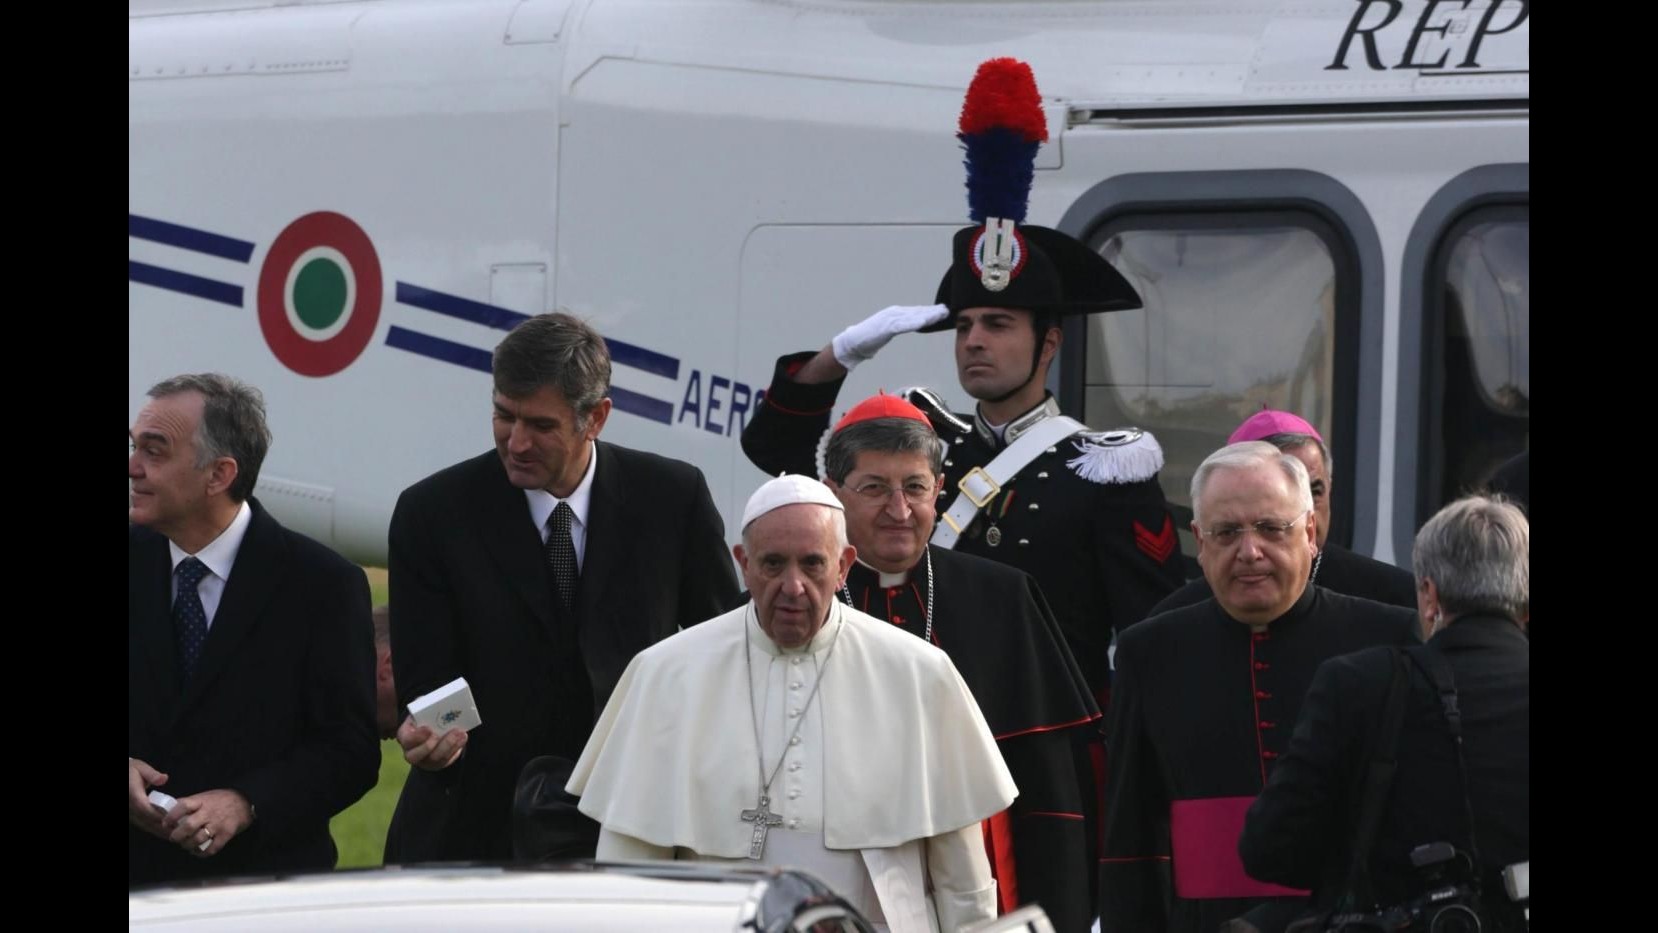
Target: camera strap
[(1377, 779), (1438, 669)]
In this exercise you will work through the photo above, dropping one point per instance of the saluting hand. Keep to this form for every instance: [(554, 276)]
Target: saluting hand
[(864, 339)]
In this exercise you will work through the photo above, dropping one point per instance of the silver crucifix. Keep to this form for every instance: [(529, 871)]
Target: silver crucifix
[(763, 819)]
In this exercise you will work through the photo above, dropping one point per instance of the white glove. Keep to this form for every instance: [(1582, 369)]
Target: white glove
[(864, 339)]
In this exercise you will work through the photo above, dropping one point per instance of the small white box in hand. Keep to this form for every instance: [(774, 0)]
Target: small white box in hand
[(448, 707), (165, 803)]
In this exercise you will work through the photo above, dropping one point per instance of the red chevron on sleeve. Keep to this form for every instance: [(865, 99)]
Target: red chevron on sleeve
[(1156, 546)]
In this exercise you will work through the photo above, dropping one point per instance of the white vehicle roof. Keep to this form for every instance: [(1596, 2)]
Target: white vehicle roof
[(474, 898)]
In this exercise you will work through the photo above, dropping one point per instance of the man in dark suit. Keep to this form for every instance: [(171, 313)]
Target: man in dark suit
[(250, 655), (1463, 762), (536, 571)]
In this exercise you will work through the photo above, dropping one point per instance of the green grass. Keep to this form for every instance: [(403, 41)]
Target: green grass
[(360, 830)]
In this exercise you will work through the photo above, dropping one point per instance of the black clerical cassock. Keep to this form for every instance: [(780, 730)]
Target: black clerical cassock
[(1201, 709), (998, 630)]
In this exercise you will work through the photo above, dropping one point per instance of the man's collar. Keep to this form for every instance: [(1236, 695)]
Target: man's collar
[(882, 578), (220, 554), (1479, 630), (542, 503), (1298, 610), (1048, 408)]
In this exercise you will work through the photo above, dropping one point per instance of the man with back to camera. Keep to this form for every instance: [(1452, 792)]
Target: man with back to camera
[(1462, 747)]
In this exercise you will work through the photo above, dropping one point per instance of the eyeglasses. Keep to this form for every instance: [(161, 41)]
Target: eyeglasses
[(1269, 530), (915, 492)]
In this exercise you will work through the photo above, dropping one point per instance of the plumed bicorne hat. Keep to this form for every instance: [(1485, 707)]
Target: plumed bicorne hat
[(1001, 261)]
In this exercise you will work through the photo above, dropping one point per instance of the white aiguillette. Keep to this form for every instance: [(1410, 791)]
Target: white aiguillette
[(448, 707)]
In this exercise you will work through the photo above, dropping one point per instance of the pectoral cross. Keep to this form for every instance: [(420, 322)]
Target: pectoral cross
[(763, 819)]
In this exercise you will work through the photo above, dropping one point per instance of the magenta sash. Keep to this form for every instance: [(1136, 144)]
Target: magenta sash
[(1203, 837)]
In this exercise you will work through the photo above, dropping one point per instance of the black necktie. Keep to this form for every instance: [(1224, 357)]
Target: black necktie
[(561, 554), (189, 618)]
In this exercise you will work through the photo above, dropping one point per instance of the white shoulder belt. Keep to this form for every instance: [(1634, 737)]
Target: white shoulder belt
[(981, 484)]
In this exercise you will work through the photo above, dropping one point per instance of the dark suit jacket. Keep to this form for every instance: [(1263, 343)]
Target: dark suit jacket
[(1300, 830), (473, 599), (281, 707)]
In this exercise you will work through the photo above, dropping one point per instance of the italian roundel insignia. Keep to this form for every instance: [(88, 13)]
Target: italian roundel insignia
[(997, 255), (319, 294)]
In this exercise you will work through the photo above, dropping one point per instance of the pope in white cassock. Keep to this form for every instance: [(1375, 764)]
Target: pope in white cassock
[(798, 731)]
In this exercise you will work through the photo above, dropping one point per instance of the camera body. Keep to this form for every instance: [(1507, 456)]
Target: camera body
[(1450, 903)]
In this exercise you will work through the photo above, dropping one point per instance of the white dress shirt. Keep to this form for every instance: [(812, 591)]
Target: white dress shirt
[(542, 503), (219, 555)]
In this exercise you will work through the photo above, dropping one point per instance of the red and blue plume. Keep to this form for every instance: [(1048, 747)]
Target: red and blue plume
[(1001, 127)]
